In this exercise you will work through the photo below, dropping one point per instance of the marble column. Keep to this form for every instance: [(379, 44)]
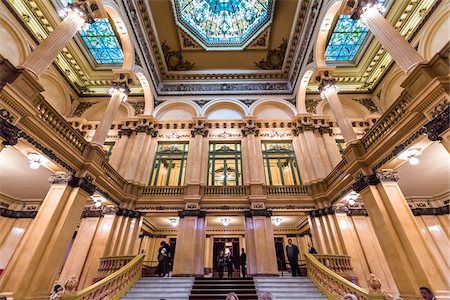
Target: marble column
[(31, 272), (331, 147), (198, 147), (119, 148), (328, 90), (190, 252), (117, 96), (78, 13), (395, 44), (259, 241), (81, 247), (11, 235), (409, 257)]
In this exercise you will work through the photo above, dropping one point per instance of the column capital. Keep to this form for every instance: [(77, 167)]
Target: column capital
[(250, 128), (258, 213), (149, 129), (374, 179), (436, 127), (9, 133), (358, 7), (125, 131), (121, 83), (73, 181), (89, 10), (325, 130)]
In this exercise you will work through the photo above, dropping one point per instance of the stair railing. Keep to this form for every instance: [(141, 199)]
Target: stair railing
[(335, 286), (115, 285)]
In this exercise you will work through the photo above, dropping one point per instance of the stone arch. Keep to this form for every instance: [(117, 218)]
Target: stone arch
[(55, 93), (272, 108), (218, 109), (146, 86), (127, 47), (391, 88), (96, 111), (324, 30), (352, 109), (436, 32), (303, 85), (177, 110), (16, 48)]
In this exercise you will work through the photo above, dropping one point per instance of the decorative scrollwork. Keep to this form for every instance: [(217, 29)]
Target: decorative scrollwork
[(274, 58), (174, 59)]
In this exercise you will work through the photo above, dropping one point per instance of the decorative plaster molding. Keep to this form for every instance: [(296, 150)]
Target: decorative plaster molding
[(274, 58)]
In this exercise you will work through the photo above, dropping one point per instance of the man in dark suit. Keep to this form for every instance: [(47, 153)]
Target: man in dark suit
[(243, 261), (292, 255), (311, 249)]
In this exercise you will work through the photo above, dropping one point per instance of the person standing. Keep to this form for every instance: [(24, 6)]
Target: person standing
[(243, 261), (311, 249), (220, 263), (230, 266), (292, 254), (163, 259)]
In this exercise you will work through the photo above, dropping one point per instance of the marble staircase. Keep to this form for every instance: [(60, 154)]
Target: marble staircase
[(288, 288), (156, 288)]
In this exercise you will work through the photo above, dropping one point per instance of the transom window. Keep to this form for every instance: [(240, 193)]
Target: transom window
[(280, 163), (225, 164), (169, 167)]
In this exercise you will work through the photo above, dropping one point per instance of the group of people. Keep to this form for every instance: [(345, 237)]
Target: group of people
[(227, 261)]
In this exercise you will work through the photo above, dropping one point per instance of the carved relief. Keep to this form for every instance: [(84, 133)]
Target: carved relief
[(174, 59), (274, 58), (311, 105), (369, 104)]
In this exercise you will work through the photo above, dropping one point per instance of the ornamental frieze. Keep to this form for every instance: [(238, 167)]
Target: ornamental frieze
[(225, 135), (174, 136), (276, 134)]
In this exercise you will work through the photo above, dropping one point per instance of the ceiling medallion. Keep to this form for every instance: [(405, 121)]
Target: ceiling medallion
[(223, 24)]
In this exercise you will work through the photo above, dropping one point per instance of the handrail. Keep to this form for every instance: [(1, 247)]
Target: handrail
[(115, 285), (163, 191), (110, 264), (340, 264), (287, 190), (336, 286)]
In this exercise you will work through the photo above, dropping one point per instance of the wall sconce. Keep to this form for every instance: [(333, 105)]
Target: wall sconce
[(351, 198), (36, 160), (98, 200), (225, 221), (174, 221), (277, 221), (411, 156)]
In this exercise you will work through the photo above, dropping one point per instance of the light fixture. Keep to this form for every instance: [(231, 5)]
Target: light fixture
[(36, 160), (411, 156), (277, 221), (351, 198), (98, 199), (174, 221), (225, 221)]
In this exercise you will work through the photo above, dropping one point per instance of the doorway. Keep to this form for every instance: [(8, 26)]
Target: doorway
[(226, 245), (279, 250)]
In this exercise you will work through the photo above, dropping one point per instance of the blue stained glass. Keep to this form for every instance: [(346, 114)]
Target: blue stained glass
[(346, 39), (223, 22), (102, 42)]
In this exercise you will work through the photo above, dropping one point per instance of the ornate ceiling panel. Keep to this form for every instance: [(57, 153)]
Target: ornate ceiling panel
[(223, 24)]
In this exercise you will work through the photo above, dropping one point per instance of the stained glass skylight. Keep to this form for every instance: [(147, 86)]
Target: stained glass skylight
[(102, 42), (345, 40), (223, 24)]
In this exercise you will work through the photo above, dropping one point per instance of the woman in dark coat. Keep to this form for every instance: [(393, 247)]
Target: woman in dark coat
[(220, 263), (229, 262), (163, 259)]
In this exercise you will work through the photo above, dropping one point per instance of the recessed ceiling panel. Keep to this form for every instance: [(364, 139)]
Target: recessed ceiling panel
[(223, 24)]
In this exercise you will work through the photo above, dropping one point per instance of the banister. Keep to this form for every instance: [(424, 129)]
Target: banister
[(335, 286), (115, 285)]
